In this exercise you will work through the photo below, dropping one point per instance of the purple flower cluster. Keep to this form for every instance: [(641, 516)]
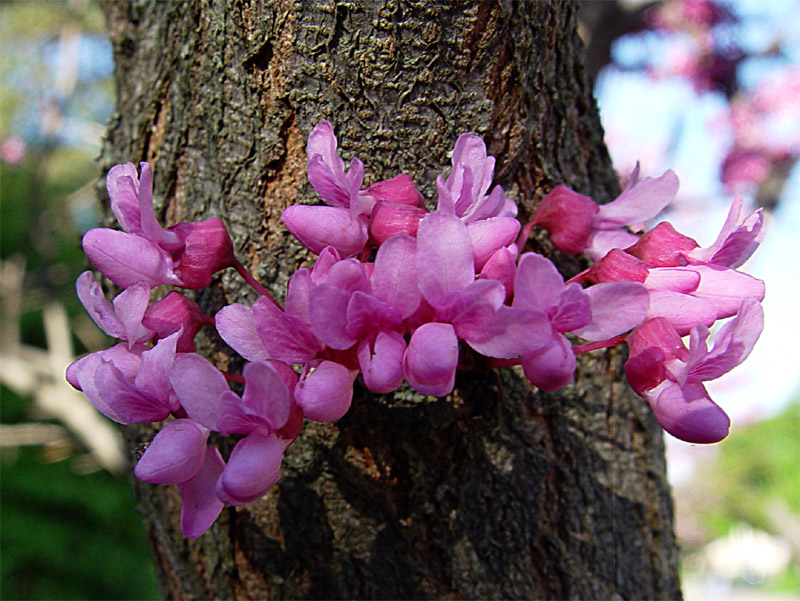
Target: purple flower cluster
[(398, 293)]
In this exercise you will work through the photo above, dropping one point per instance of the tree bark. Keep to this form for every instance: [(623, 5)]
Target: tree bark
[(498, 490)]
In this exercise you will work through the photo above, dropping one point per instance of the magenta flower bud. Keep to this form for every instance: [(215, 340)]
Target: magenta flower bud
[(400, 189), (662, 246), (568, 217), (617, 266), (651, 345), (172, 313), (392, 219), (207, 249)]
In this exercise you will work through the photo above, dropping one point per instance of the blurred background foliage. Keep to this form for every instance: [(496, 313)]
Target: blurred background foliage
[(68, 522), (69, 528)]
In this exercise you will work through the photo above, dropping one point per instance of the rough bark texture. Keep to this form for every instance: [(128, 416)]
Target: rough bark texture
[(499, 490)]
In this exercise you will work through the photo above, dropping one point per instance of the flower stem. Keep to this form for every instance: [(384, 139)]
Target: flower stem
[(525, 234), (580, 278), (593, 346), (492, 363), (233, 377), (254, 284)]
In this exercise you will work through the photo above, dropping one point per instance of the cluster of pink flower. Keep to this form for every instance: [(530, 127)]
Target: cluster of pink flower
[(400, 293), (705, 56)]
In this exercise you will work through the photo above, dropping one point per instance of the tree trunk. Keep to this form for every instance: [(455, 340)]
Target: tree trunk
[(497, 491)]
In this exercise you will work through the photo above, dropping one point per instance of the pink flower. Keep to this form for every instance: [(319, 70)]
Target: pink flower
[(670, 377), (600, 312), (185, 255), (129, 386), (178, 455), (577, 225), (261, 414)]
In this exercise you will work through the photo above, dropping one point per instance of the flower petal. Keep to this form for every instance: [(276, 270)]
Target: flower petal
[(431, 359), (394, 279), (616, 308), (176, 453), (552, 366), (126, 259), (445, 261), (382, 362), (688, 413), (201, 506), (236, 325), (198, 385), (324, 392), (254, 466)]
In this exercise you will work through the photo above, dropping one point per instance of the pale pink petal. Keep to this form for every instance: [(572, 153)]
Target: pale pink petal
[(732, 344), (331, 189), (444, 257), (572, 311), (99, 308), (201, 506), (232, 417), (198, 385), (324, 391), (83, 371), (726, 288), (153, 375), (537, 284), (327, 310), (130, 306), (253, 468), (600, 242), (674, 279), (285, 337), (382, 362), (473, 309), (688, 413), (431, 358), (127, 401), (489, 235), (151, 229), (322, 141), (349, 275), (266, 394), (122, 183), (297, 291), (394, 279), (552, 366), (616, 308), (318, 227), (513, 332), (236, 325), (175, 454), (681, 310), (366, 315), (126, 259), (638, 203)]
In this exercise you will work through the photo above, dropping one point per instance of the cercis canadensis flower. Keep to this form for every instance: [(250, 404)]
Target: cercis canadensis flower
[(399, 293)]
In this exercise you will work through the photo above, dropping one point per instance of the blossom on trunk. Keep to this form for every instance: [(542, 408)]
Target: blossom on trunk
[(670, 376), (185, 255)]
